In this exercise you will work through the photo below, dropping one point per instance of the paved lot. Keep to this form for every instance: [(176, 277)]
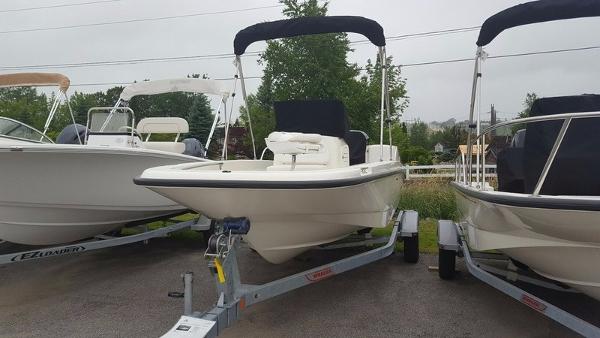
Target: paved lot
[(122, 292)]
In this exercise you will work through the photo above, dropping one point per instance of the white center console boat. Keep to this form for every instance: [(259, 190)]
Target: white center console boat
[(324, 182), (58, 193)]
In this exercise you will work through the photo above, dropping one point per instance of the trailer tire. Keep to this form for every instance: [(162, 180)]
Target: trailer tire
[(447, 264), (411, 249)]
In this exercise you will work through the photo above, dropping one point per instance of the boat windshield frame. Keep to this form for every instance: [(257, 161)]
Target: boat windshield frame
[(464, 167), (111, 112), (43, 138)]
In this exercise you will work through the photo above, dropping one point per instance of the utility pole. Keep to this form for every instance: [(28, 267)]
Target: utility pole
[(493, 120)]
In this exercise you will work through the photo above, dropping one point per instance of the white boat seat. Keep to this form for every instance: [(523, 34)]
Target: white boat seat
[(293, 143), (163, 125), (171, 147), (311, 151)]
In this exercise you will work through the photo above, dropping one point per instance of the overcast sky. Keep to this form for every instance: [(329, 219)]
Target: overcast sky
[(437, 92)]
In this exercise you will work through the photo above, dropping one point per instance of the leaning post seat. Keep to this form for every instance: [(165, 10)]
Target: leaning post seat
[(164, 125), (309, 135)]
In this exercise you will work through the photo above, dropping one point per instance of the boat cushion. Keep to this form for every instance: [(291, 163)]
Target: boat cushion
[(163, 125), (293, 143), (171, 147), (328, 152)]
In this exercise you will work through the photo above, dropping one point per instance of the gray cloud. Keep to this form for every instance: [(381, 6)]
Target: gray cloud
[(437, 92)]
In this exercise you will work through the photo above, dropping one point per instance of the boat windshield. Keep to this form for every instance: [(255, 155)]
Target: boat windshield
[(15, 129), (119, 122)]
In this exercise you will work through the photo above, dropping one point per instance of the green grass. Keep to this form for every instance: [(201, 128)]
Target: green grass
[(183, 235), (431, 198), (427, 235)]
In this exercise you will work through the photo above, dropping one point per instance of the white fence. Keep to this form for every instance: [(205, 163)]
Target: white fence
[(439, 171)]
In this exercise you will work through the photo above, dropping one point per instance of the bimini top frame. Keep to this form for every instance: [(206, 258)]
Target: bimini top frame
[(520, 15), (311, 26), (42, 80), (189, 85)]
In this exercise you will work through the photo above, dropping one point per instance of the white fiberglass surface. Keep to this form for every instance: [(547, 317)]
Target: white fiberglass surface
[(520, 195), (257, 170)]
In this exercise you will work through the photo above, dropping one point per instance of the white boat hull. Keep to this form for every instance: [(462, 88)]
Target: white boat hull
[(287, 222), (560, 244), (51, 194)]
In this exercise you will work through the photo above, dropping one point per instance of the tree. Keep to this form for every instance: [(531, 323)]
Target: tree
[(24, 104), (527, 104), (419, 135), (316, 67), (200, 118)]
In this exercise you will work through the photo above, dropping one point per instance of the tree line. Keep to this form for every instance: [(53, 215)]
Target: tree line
[(31, 106)]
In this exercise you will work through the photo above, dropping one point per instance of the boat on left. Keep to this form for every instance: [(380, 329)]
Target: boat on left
[(53, 193)]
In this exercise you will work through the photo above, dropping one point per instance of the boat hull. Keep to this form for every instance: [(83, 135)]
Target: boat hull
[(53, 194), (286, 222), (560, 244)]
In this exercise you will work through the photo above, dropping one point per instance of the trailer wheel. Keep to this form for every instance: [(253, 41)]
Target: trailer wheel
[(411, 249), (447, 264)]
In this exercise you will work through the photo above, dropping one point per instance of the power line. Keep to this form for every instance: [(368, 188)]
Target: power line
[(256, 53), (215, 56), (424, 34), (128, 83), (56, 6), (161, 18), (552, 51), (129, 61), (555, 51)]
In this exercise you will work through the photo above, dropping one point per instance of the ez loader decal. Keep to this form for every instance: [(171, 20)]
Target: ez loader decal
[(47, 253)]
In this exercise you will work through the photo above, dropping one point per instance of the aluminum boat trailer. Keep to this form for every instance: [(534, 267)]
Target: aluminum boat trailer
[(452, 243), (103, 241), (234, 297)]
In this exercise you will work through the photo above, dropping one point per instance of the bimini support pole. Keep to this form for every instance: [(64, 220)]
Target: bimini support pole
[(388, 107), (53, 110), (383, 97), (214, 124), (238, 63), (226, 135), (72, 117), (228, 120), (471, 126)]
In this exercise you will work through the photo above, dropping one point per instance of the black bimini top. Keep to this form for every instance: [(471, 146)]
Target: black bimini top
[(533, 12), (308, 26), (565, 104)]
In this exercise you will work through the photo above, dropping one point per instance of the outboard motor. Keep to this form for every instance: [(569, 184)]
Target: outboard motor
[(71, 134), (193, 147)]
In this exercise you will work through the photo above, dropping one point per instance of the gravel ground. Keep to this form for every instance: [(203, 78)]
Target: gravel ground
[(122, 292)]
